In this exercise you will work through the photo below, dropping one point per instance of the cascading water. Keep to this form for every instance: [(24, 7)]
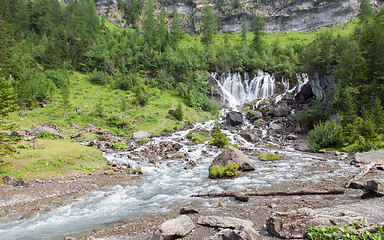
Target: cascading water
[(240, 90)]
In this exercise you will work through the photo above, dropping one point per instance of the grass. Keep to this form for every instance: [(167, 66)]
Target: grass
[(269, 157), (229, 171), (52, 158)]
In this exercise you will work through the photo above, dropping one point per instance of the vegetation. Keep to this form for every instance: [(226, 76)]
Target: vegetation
[(342, 232), (218, 137), (324, 135), (269, 157), (120, 146), (229, 171)]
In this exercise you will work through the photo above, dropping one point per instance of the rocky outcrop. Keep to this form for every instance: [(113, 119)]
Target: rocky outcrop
[(231, 154), (174, 228), (234, 118), (321, 85), (294, 224)]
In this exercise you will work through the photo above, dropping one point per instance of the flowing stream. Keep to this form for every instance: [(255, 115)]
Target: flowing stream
[(165, 184)]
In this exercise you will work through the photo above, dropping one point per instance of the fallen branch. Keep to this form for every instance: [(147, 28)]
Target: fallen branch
[(275, 193), (361, 174)]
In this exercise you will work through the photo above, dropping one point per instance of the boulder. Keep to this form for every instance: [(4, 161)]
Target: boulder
[(281, 109), (188, 211), (294, 224), (50, 125), (250, 137), (89, 127), (234, 118), (174, 228), (231, 154), (171, 111), (375, 186), (74, 125), (140, 135), (240, 233), (223, 222), (52, 131)]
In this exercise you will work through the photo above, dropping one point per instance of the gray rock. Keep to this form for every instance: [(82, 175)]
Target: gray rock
[(140, 135), (250, 137), (292, 137), (281, 109), (234, 118), (188, 211), (171, 111), (275, 126), (52, 131), (77, 135), (231, 154), (89, 127), (294, 224), (223, 222), (75, 126), (17, 182), (242, 233), (375, 186), (29, 215), (174, 228)]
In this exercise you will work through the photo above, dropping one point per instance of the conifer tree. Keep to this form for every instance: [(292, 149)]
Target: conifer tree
[(175, 28), (163, 31), (257, 26), (209, 24), (149, 26), (5, 37)]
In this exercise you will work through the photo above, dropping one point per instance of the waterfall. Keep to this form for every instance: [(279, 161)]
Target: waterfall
[(240, 90)]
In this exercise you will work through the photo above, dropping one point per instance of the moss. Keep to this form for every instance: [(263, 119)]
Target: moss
[(269, 157), (120, 145), (229, 171)]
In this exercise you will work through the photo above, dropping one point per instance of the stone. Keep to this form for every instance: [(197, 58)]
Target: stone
[(77, 135), (223, 222), (17, 182), (140, 135), (242, 233), (171, 111), (242, 197), (174, 228), (275, 126), (89, 127), (304, 94), (250, 137), (356, 185), (375, 186), (231, 154), (294, 224), (29, 215), (292, 137), (36, 131), (281, 109), (188, 211), (69, 238), (74, 125), (234, 118)]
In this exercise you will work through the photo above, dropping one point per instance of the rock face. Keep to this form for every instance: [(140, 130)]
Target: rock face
[(321, 85), (231, 154), (234, 118), (294, 224), (174, 228), (281, 109)]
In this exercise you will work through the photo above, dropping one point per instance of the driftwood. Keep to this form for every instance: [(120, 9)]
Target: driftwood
[(275, 193), (361, 174)]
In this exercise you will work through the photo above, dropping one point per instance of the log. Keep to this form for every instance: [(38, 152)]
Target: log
[(364, 172), (275, 193)]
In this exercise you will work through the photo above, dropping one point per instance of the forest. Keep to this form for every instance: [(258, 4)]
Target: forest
[(43, 43)]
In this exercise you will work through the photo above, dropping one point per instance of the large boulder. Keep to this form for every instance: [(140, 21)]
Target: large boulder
[(231, 154), (234, 118), (281, 109), (294, 224), (375, 186), (174, 228), (36, 131)]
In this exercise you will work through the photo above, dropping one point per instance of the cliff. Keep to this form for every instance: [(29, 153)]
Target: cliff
[(280, 15)]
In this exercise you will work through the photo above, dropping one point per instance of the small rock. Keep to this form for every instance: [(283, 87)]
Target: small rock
[(69, 238), (223, 222), (242, 197), (356, 185), (29, 215), (188, 211), (234, 118), (77, 135), (17, 182), (174, 228)]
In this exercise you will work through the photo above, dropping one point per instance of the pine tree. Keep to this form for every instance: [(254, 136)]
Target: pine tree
[(176, 34), (257, 27), (5, 37), (149, 26), (209, 24), (377, 115), (163, 31)]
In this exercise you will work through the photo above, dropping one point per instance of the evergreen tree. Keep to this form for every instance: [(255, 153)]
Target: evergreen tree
[(348, 107), (5, 37), (244, 33), (163, 31), (149, 26), (257, 26), (377, 115), (65, 98), (176, 34), (179, 114), (209, 24), (365, 10)]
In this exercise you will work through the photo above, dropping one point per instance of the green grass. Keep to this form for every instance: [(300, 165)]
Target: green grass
[(52, 158), (269, 157)]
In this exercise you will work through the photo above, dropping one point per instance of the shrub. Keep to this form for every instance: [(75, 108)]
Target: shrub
[(342, 232), (218, 171), (120, 145), (324, 135), (45, 135), (179, 114), (144, 140), (269, 157), (219, 138)]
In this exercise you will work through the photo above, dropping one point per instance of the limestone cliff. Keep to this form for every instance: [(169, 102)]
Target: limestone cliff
[(281, 15)]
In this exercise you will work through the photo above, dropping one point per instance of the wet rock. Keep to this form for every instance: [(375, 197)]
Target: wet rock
[(231, 154), (294, 224), (356, 185), (17, 182), (223, 222), (69, 238), (250, 137), (174, 228), (275, 126), (242, 197), (77, 135), (188, 211), (234, 118), (304, 94), (29, 215), (140, 135), (281, 109)]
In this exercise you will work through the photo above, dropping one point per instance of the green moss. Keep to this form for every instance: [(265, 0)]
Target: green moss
[(120, 145), (229, 171), (269, 157), (144, 140)]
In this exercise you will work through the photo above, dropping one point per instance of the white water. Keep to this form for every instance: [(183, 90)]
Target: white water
[(240, 90)]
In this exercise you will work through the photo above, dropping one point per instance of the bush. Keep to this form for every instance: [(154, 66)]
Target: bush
[(219, 138), (179, 114), (120, 145), (312, 116), (144, 140), (343, 232), (218, 171), (45, 135), (324, 135), (100, 78), (269, 157)]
